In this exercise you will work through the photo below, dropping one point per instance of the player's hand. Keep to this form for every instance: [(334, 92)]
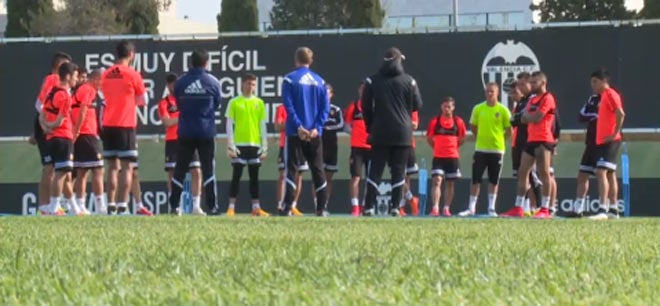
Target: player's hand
[(232, 152), (303, 134), (610, 138), (263, 153), (32, 140), (313, 133)]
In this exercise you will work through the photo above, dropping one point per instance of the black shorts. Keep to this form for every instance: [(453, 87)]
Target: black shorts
[(589, 159), (61, 152), (171, 150), (119, 142), (486, 160), (358, 161), (87, 152), (607, 154), (330, 157), (516, 156), (300, 161), (411, 166), (446, 167), (247, 156), (530, 147), (42, 143)]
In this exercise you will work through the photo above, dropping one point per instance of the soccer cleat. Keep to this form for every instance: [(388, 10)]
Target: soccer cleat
[(402, 212), (446, 212), (356, 211), (198, 211), (528, 214), (613, 214), (414, 206), (43, 210), (259, 213), (322, 213), (175, 212), (84, 211), (296, 212), (143, 211), (492, 213), (543, 213), (60, 211), (601, 215), (215, 211), (368, 212), (112, 209), (466, 213), (435, 212), (394, 212), (230, 212), (123, 211), (515, 212)]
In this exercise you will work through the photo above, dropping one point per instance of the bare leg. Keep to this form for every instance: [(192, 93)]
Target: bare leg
[(113, 176), (45, 184)]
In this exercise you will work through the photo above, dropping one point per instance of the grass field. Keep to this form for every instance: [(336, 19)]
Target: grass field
[(332, 261), (643, 159)]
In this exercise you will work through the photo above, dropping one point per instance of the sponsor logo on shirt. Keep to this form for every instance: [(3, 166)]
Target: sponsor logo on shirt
[(503, 63), (195, 88), (308, 79)]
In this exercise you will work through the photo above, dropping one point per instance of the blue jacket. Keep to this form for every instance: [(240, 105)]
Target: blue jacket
[(306, 101), (197, 96)]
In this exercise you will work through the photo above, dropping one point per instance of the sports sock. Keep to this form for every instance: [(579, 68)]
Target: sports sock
[(355, 202), (409, 195), (256, 206), (232, 206), (526, 207), (579, 205), (81, 203), (545, 202), (473, 203), (196, 201), (491, 201), (520, 201)]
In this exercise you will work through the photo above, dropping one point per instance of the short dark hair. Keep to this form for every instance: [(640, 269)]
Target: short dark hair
[(124, 49), (170, 78), (82, 70), (249, 77), (59, 58), (601, 74), (539, 74), (200, 58), (513, 85), (304, 55), (447, 99), (66, 69), (523, 76)]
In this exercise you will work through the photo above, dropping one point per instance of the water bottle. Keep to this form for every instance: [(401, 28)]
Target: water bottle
[(625, 174), (423, 187)]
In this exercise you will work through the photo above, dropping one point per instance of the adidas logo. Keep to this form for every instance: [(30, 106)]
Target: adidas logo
[(308, 79), (195, 88)]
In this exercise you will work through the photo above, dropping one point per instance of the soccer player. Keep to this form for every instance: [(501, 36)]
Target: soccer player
[(334, 124), (169, 114), (55, 119), (589, 115), (490, 123), (389, 98), (608, 143), (280, 126), (411, 169), (39, 137), (123, 89), (445, 134), (521, 92), (359, 159), (307, 106), (82, 77), (540, 118), (197, 95), (87, 150), (247, 142)]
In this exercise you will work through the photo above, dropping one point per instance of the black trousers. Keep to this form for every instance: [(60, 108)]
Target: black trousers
[(312, 151), (397, 158), (205, 148)]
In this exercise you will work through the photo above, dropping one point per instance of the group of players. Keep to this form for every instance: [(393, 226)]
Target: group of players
[(69, 124)]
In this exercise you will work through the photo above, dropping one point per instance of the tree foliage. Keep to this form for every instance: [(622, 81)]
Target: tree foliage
[(326, 14), (20, 14), (582, 10), (238, 15), (651, 9)]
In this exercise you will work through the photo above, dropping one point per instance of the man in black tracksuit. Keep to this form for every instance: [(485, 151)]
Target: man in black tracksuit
[(388, 100)]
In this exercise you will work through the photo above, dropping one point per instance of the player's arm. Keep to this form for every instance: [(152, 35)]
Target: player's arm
[(415, 120), (348, 119), (585, 116), (620, 116), (416, 97), (367, 104), (541, 111), (280, 122), (473, 122), (461, 131), (324, 108), (340, 120), (287, 100), (506, 121), (430, 133), (79, 121), (141, 96), (474, 130)]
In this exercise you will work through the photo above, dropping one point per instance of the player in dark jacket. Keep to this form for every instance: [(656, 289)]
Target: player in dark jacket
[(388, 100)]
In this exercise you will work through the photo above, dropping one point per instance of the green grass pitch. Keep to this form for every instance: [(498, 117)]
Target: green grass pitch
[(332, 261)]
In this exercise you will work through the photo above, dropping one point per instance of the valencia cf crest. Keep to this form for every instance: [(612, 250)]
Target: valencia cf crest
[(505, 61), (497, 115)]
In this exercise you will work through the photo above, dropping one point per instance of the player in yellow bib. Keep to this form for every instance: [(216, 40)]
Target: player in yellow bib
[(491, 125), (247, 143)]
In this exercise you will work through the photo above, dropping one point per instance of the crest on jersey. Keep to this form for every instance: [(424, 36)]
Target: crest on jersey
[(384, 198), (504, 61)]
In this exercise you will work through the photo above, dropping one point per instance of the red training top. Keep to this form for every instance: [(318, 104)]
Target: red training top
[(355, 118), (610, 101), (280, 118), (85, 96), (167, 109), (121, 85), (58, 103), (542, 131), (446, 133)]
